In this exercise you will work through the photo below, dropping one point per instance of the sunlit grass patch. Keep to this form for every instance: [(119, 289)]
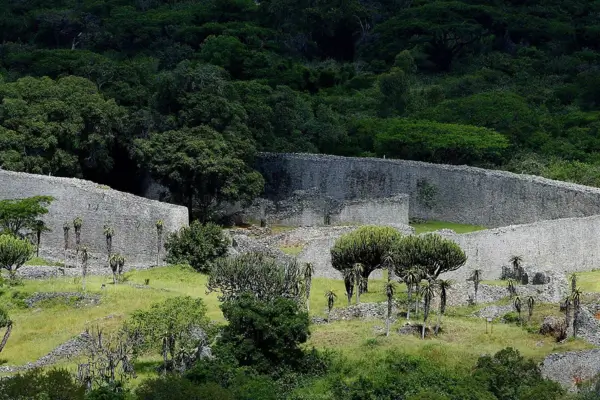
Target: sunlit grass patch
[(430, 226), (38, 261)]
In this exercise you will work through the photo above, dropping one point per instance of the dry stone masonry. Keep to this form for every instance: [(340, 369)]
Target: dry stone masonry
[(133, 218), (437, 192)]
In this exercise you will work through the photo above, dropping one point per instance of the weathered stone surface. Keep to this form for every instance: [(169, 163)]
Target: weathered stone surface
[(311, 208), (75, 298), (133, 218), (458, 193), (493, 311), (571, 367), (553, 326)]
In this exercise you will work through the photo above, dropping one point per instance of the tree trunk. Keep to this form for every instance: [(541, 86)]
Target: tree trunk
[(37, 250), (409, 302), (358, 287), (438, 323), (6, 335), (328, 316), (349, 298), (114, 278), (423, 331)]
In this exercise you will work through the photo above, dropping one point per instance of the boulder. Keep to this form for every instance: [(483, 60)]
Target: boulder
[(555, 327), (541, 278)]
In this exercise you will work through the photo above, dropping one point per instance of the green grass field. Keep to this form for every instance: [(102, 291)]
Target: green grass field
[(40, 329)]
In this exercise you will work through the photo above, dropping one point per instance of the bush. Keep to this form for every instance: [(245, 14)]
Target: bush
[(14, 253), (173, 387), (255, 273), (57, 384), (264, 335), (197, 245), (509, 376)]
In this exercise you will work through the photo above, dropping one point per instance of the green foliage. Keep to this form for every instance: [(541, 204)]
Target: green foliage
[(509, 376), (430, 251), (368, 245), (176, 327), (201, 167), (21, 217), (256, 274), (63, 127), (38, 384), (437, 142), (14, 253), (265, 335), (175, 387), (198, 245)]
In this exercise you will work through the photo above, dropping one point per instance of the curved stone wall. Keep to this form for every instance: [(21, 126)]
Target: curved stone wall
[(133, 218), (437, 192)]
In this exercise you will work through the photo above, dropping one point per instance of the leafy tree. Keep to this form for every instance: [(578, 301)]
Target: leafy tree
[(432, 252), (199, 245), (439, 142), (512, 289), (64, 127), (176, 387), (368, 245), (256, 274), (265, 334), (14, 253), (21, 217), (178, 328), (200, 167), (116, 263)]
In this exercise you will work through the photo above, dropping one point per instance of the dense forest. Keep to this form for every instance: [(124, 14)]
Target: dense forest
[(190, 90)]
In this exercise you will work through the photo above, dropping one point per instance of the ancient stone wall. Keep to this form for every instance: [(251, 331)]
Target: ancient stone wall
[(133, 218), (437, 192), (564, 245), (308, 208)]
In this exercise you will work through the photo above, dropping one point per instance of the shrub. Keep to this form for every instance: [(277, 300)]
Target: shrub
[(255, 273), (14, 253), (264, 334), (509, 376), (57, 384), (197, 245), (173, 387), (177, 327)]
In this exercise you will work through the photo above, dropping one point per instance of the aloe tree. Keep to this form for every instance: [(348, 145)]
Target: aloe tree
[(512, 289), (576, 296), (530, 305), (443, 286), (77, 223), (108, 235), (410, 278), (358, 274), (39, 227), (331, 296), (419, 295), (159, 239), (348, 275), (389, 291), (84, 264), (5, 322), (66, 229), (516, 262), (427, 290), (573, 279), (114, 265), (476, 277), (517, 305), (567, 304), (309, 270)]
